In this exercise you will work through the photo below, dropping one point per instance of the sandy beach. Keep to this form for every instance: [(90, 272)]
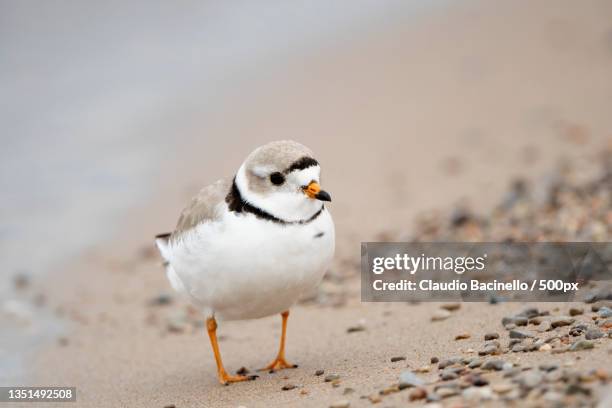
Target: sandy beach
[(430, 114)]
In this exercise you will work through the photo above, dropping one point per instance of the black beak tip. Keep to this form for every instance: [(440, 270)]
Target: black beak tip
[(323, 196)]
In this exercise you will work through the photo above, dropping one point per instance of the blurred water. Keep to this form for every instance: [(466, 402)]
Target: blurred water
[(87, 90)]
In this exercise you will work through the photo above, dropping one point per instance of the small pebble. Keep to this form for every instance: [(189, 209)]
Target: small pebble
[(409, 379), (593, 334), (375, 398), (606, 324), (545, 347), (496, 365), (389, 390), (340, 404), (560, 321), (517, 334), (440, 314), (582, 345), (242, 371), (521, 321), (447, 392), (162, 299), (319, 372), (477, 393), (417, 394), (530, 379), (446, 363), (548, 367), (479, 381), (462, 336), (575, 311), (331, 377), (502, 388), (477, 362), (447, 375), (512, 342), (355, 329), (545, 326), (396, 359), (288, 387), (491, 336), (451, 307), (530, 312), (434, 360), (489, 349), (605, 312)]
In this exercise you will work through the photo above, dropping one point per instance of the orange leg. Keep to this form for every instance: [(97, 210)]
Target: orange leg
[(279, 362), (224, 377)]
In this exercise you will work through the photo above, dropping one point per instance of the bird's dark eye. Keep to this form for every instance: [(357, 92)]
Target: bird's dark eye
[(277, 178)]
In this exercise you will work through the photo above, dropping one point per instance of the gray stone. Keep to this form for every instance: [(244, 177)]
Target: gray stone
[(604, 312), (545, 326), (518, 334), (449, 362), (448, 374), (496, 365), (489, 349), (582, 345), (512, 342), (477, 362), (521, 320), (559, 321), (409, 379), (530, 379), (593, 334), (530, 312)]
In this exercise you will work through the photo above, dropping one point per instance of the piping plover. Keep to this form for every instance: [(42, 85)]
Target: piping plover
[(249, 247)]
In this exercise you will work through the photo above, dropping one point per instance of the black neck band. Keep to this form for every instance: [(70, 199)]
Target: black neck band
[(236, 203)]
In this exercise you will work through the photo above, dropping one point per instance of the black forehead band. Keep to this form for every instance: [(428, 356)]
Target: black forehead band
[(301, 164)]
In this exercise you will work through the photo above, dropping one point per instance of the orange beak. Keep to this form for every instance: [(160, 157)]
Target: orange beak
[(313, 190)]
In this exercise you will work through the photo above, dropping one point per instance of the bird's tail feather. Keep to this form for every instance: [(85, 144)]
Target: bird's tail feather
[(162, 241)]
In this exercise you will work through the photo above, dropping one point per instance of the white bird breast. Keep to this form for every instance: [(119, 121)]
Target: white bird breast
[(243, 267)]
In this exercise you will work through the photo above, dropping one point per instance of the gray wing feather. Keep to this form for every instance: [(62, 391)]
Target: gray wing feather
[(204, 207)]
